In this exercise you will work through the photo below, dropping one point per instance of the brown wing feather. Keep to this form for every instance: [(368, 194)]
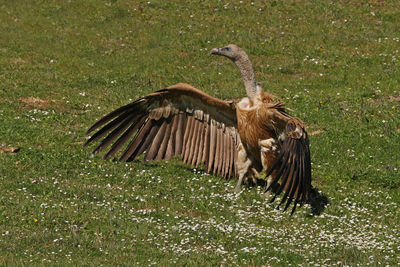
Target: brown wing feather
[(217, 151), (213, 141), (115, 133), (154, 148), (171, 141), (147, 141), (136, 141), (223, 153), (164, 143), (230, 157), (226, 156), (187, 137), (292, 167), (121, 141), (206, 148), (179, 134), (199, 147), (192, 146), (170, 122)]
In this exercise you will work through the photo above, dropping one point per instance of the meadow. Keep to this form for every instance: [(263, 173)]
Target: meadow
[(64, 64)]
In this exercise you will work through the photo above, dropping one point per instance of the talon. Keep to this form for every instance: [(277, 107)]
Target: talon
[(236, 190), (267, 194)]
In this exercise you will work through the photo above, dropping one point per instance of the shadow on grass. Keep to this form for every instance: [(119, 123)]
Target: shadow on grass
[(318, 201)]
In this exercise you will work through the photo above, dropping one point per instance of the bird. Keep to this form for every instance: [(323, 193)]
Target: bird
[(230, 138)]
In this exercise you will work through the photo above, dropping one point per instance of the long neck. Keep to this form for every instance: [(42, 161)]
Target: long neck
[(244, 65)]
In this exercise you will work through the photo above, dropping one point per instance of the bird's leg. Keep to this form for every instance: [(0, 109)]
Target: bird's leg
[(255, 175), (239, 183), (243, 164), (269, 182)]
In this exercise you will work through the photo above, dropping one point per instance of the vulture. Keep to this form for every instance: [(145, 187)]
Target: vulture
[(228, 138)]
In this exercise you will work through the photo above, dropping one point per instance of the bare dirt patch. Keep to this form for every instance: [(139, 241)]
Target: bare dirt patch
[(18, 60), (35, 102), (392, 98)]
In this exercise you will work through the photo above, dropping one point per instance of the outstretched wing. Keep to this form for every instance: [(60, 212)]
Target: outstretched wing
[(292, 167), (177, 121)]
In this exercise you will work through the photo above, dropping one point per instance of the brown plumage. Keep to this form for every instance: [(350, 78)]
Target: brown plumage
[(230, 138)]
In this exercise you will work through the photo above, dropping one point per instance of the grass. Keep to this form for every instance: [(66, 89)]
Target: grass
[(65, 64)]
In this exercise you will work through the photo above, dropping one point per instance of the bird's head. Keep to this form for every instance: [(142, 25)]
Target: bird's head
[(233, 52)]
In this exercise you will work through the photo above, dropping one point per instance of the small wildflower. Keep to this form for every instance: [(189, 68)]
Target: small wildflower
[(35, 220), (355, 111)]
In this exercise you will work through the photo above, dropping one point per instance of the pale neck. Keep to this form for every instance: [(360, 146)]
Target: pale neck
[(244, 65)]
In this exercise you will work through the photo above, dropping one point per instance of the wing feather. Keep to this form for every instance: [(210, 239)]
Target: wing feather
[(115, 133), (153, 150), (227, 156), (221, 152), (292, 167), (224, 151), (193, 140), (122, 140), (111, 115), (230, 158), (114, 123), (182, 118), (217, 151), (171, 142), (199, 147), (187, 140), (176, 121), (148, 139), (164, 142), (206, 149), (136, 141), (213, 140)]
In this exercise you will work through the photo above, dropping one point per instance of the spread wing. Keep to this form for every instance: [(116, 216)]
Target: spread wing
[(292, 167), (177, 121)]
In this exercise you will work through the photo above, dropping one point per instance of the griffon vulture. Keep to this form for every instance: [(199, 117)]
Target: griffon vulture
[(229, 138)]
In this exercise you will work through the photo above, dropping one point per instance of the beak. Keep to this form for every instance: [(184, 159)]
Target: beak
[(215, 51)]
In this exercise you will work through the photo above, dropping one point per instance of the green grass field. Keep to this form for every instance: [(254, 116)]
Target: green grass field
[(64, 64)]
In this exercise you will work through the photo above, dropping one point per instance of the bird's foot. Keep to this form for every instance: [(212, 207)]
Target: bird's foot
[(266, 194), (237, 189)]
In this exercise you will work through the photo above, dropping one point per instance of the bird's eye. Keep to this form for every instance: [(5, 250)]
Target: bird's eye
[(226, 49)]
